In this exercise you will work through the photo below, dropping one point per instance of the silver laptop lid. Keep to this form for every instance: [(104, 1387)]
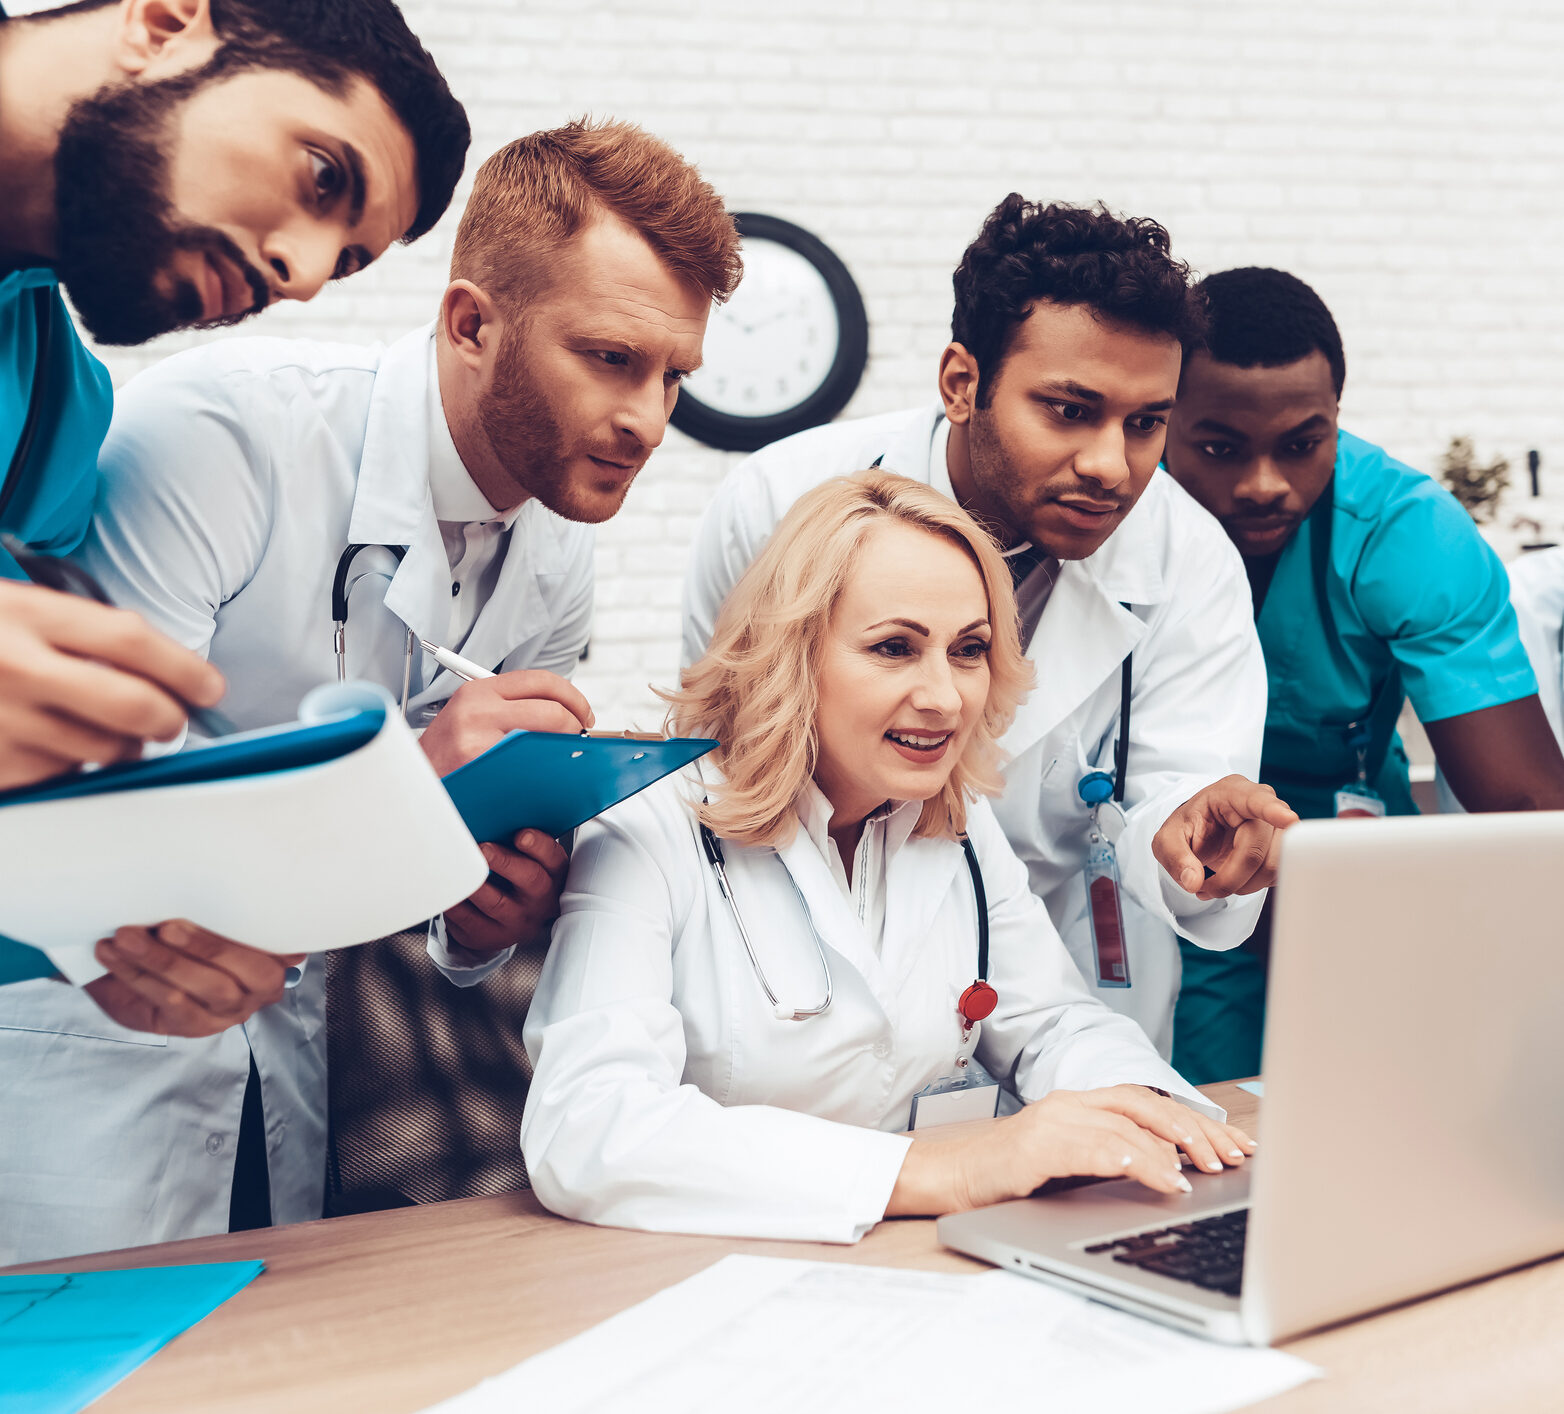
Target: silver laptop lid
[(1414, 1064)]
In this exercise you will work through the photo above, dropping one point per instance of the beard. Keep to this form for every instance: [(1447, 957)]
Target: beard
[(522, 428), (117, 230)]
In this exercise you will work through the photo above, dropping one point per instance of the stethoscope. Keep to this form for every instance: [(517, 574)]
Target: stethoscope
[(340, 589), (975, 1003)]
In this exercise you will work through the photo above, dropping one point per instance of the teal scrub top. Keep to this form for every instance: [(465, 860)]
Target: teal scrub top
[(52, 504), (1387, 592)]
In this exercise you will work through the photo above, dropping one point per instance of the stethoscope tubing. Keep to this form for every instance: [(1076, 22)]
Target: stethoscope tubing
[(714, 856), (340, 589)]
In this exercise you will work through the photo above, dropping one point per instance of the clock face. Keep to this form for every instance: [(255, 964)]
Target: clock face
[(773, 344)]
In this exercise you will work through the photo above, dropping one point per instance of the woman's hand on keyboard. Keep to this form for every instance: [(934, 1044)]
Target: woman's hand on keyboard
[(1066, 1134), (1209, 1143)]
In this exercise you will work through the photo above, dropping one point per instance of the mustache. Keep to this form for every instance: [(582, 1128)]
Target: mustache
[(210, 241), (1088, 491)]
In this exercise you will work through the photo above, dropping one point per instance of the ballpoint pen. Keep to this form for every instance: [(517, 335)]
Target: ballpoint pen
[(467, 669), (65, 577), (462, 667)]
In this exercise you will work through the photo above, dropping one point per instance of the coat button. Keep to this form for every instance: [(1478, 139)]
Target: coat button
[(881, 1050), (214, 1143)]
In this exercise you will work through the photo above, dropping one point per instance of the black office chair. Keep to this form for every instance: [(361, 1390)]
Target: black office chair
[(427, 1080)]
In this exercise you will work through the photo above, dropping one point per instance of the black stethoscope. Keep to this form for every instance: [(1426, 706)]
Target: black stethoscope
[(340, 589), (975, 1003)]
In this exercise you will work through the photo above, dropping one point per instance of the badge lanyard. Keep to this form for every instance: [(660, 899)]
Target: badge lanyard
[(967, 1091), (1103, 795), (1358, 800)]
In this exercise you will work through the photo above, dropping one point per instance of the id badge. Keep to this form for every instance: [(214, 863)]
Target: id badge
[(968, 1092), (1107, 915), (1358, 802), (974, 1094)]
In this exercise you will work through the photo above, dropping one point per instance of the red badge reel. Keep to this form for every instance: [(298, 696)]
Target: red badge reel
[(977, 1003)]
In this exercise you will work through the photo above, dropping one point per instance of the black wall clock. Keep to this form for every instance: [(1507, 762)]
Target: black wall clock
[(786, 352)]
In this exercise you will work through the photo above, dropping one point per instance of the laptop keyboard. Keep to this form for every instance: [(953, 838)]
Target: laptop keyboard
[(1208, 1252)]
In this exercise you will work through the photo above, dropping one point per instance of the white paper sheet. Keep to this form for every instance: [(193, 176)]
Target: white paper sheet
[(770, 1336), (295, 861)]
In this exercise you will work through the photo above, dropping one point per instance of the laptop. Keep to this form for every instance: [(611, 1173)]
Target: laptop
[(1414, 1084)]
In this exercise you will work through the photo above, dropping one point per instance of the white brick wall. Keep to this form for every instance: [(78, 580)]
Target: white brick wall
[(1401, 155)]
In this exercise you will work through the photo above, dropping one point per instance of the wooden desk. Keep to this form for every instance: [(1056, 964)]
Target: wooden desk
[(396, 1311)]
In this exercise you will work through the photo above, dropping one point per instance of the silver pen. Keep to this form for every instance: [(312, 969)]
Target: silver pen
[(462, 667)]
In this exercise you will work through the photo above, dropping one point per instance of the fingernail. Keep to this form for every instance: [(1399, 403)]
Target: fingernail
[(526, 839), (131, 943), (1128, 1160), (1235, 1153), (1183, 1183), (1183, 1137)]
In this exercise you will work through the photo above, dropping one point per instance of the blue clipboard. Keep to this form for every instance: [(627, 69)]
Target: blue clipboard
[(554, 782)]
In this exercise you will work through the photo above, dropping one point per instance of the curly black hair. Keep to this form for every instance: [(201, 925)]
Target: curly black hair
[(330, 41), (1262, 318), (1121, 268)]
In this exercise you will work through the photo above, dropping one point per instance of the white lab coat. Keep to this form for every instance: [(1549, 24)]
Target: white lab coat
[(1537, 592), (667, 1095), (234, 475), (1199, 692)]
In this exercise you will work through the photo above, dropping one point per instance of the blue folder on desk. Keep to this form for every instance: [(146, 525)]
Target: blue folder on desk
[(554, 782)]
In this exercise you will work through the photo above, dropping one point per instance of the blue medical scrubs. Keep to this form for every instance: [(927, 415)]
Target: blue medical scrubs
[(51, 506), (1386, 593)]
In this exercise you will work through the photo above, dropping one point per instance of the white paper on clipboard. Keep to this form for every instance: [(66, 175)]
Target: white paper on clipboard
[(302, 860)]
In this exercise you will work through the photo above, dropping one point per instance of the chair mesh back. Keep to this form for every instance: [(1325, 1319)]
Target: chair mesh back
[(427, 1080)]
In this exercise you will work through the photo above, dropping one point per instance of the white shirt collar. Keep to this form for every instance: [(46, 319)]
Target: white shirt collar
[(815, 812), (457, 499), (939, 459)]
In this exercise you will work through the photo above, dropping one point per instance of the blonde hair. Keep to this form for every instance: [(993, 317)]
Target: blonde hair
[(755, 688)]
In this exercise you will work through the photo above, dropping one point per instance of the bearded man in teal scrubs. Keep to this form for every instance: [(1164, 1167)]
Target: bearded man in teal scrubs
[(171, 164), (1371, 586)]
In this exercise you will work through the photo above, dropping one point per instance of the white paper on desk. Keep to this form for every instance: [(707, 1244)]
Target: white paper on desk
[(303, 860), (767, 1335)]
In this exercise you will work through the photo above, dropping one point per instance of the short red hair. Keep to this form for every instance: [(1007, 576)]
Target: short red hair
[(536, 193)]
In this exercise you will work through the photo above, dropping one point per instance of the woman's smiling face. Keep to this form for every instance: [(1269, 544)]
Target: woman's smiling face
[(904, 674)]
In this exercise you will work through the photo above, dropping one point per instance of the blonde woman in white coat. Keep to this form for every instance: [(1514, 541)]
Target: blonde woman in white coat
[(860, 677)]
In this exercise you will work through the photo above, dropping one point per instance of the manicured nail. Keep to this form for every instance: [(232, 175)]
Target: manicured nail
[(1213, 1167), (1183, 1183), (1235, 1153), (1127, 1161)]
